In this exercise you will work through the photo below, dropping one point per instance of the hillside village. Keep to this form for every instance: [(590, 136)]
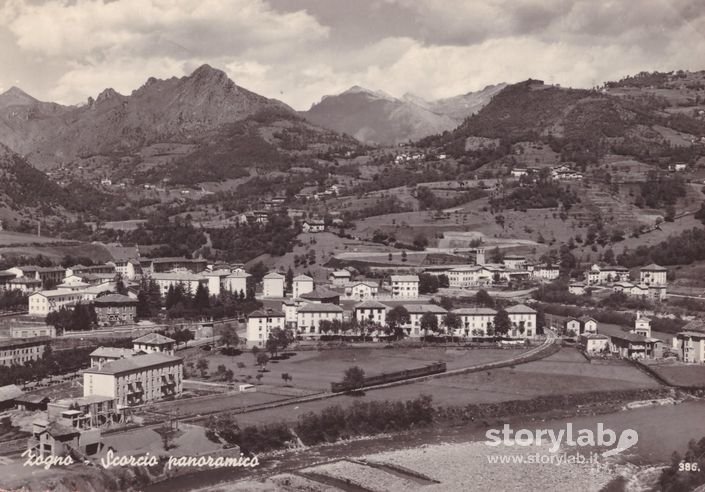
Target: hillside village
[(266, 267)]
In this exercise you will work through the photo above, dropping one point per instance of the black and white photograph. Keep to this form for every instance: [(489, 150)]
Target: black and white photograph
[(352, 245)]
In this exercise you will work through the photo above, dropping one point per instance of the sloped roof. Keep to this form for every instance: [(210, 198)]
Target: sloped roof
[(320, 308), (302, 277), (320, 293), (117, 352), (273, 275), (370, 305), (10, 392), (154, 339), (520, 309), (404, 278), (475, 311), (115, 299), (270, 313), (653, 267), (424, 308), (135, 363)]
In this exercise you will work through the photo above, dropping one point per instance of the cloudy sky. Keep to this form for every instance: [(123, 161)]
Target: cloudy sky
[(299, 50)]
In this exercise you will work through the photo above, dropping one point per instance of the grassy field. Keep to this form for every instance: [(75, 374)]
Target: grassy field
[(315, 370), (680, 374), (564, 372)]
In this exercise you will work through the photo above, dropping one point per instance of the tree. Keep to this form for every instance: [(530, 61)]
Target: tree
[(496, 255), (228, 335), (120, 286), (403, 255), (286, 377), (202, 365), (143, 308), (289, 280), (452, 322), (397, 317), (502, 323), (420, 240), (201, 301), (429, 321), (354, 378), (428, 284), (483, 298), (262, 360)]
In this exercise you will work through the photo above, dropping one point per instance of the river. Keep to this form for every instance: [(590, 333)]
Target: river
[(661, 431)]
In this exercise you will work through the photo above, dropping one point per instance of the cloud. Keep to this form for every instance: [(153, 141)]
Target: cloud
[(300, 51)]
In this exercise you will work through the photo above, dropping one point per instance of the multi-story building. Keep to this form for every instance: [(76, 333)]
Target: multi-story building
[(32, 331), (17, 352), (217, 280), (136, 380), (25, 284), (653, 275), (514, 262), (545, 272), (606, 274), (691, 346), (475, 321), (362, 290), (189, 281), (150, 266), (310, 315), (465, 276), (273, 285), (405, 286), (260, 325), (5, 277), (46, 301), (370, 310), (238, 282), (302, 284), (115, 309), (103, 355), (128, 269), (154, 343), (523, 320), (416, 312), (81, 270), (340, 277)]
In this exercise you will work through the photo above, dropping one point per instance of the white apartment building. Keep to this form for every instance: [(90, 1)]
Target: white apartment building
[(302, 284), (653, 275), (545, 272), (416, 311), (361, 290), (691, 346), (216, 281), (371, 311), (309, 316), (238, 281), (137, 380), (154, 343), (261, 323), (46, 301), (340, 277), (522, 316), (475, 321), (405, 286), (273, 285), (465, 276), (189, 281)]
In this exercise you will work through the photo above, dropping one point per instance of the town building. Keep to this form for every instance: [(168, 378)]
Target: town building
[(217, 280), (571, 325), (313, 225), (150, 266), (115, 309), (606, 274), (416, 312), (136, 380), (587, 325), (154, 343), (290, 308), (273, 285), (46, 301), (629, 345), (239, 282), (301, 284), (594, 343), (466, 276), (32, 331), (260, 325), (18, 351), (129, 269), (653, 275), (103, 355), (642, 325), (87, 411), (544, 272), (523, 320), (5, 277), (370, 310), (340, 277), (361, 290), (405, 286), (321, 295), (25, 285), (514, 262), (691, 346), (476, 322), (577, 288), (310, 315), (60, 438), (82, 270), (189, 281)]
